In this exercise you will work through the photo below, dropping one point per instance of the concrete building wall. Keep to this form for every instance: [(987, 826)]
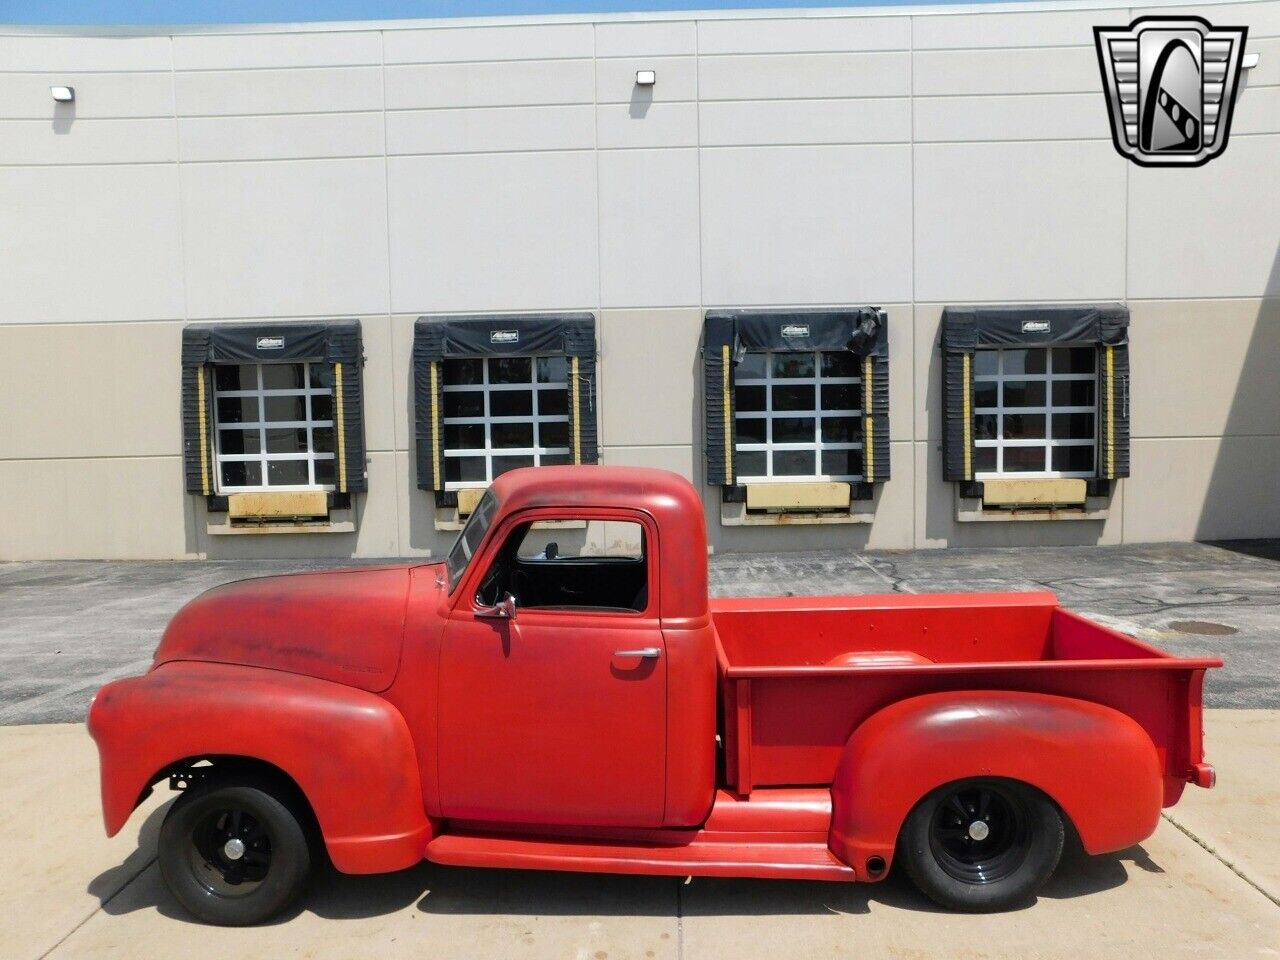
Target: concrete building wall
[(907, 159)]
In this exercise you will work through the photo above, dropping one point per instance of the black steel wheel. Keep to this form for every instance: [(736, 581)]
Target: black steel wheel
[(982, 845), (233, 854)]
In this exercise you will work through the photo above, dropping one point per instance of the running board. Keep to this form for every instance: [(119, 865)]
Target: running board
[(703, 857)]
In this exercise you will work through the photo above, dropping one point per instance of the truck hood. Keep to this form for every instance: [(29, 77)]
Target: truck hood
[(341, 625)]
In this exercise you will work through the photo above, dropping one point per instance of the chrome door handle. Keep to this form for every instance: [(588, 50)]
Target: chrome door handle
[(646, 652)]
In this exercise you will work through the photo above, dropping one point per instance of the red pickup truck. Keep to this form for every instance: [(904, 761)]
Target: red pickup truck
[(561, 694)]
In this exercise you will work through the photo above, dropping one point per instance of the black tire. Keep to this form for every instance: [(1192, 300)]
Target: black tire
[(206, 875), (981, 869)]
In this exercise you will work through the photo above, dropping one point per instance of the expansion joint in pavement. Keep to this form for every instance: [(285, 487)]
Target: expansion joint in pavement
[(1223, 860), (97, 910)]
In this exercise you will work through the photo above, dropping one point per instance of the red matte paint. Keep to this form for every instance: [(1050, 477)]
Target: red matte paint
[(417, 729)]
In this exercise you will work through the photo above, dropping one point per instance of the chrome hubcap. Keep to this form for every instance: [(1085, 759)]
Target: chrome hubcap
[(978, 830), (233, 849)]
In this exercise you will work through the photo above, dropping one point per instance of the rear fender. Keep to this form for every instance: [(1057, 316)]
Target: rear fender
[(1096, 763), (349, 751)]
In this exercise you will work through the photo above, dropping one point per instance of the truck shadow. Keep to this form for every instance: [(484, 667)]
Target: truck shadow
[(136, 885)]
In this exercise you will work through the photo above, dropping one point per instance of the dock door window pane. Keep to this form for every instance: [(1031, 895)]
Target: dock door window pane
[(273, 426), (1035, 412), (501, 413), (798, 416)]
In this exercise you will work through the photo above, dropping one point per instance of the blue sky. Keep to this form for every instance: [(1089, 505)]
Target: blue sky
[(100, 12)]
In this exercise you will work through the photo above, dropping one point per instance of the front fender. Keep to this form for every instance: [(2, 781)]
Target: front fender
[(349, 751), (1098, 764)]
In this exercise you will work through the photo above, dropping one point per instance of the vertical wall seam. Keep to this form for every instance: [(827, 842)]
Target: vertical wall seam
[(386, 201)]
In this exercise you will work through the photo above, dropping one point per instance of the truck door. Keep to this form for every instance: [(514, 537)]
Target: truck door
[(552, 702)]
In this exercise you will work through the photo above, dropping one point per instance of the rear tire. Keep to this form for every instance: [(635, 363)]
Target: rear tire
[(233, 854), (982, 845)]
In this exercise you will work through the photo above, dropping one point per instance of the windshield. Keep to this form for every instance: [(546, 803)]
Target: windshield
[(470, 537)]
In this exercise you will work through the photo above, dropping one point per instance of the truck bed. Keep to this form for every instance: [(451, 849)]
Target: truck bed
[(798, 675)]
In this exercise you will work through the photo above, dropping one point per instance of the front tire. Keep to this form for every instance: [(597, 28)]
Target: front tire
[(233, 854), (982, 845)]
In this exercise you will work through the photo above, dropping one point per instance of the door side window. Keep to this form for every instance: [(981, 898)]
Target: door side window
[(554, 565)]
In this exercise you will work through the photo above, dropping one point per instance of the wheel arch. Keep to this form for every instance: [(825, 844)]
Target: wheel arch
[(1097, 765)]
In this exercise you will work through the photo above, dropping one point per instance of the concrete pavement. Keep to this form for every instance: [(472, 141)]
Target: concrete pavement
[(71, 893)]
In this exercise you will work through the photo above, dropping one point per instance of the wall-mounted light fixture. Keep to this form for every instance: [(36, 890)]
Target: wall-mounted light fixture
[(646, 78), (63, 94), (1250, 60)]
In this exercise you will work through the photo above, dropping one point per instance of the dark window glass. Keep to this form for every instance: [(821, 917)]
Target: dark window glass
[(842, 463), (1073, 426), (984, 426), (464, 403), (510, 370), (1073, 393), (794, 463), (322, 439), (290, 440), (322, 407), (553, 369), (1023, 426), (749, 398), (789, 366), (237, 409), (985, 363), (1073, 459), (286, 473), (282, 376), (322, 376), (751, 368), (794, 398), (984, 394), (508, 435), (841, 429), (511, 403), (1021, 362), (1024, 393), (793, 430), (325, 472), (463, 468), (984, 459), (841, 396), (556, 459), (751, 429), (553, 403), (463, 372), (235, 376), (239, 441), (750, 464), (1023, 459), (553, 434), (276, 409), (247, 473), (502, 464), (840, 364), (1074, 359), (464, 436)]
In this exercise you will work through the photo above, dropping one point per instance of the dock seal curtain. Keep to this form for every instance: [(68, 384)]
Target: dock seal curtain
[(728, 335), (966, 330), (436, 339)]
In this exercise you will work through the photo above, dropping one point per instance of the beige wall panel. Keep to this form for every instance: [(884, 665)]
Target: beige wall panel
[(117, 395), (649, 228), (677, 79), (748, 123), (902, 372), (1039, 70), (659, 38), (651, 370), (492, 232), (1208, 232), (1203, 489), (803, 35), (290, 238), (514, 41), (257, 51), (1185, 387), (1026, 29), (118, 508), (676, 459), (517, 83), (69, 140), (402, 380), (85, 53), (1073, 116), (936, 524), (805, 76), (927, 361), (1005, 221), (418, 535), (778, 225), (86, 243), (1257, 111), (26, 95), (647, 125), (490, 129), (320, 90), (380, 412), (1262, 19), (300, 137)]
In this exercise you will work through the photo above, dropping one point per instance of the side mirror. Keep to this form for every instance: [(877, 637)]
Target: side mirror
[(504, 609)]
